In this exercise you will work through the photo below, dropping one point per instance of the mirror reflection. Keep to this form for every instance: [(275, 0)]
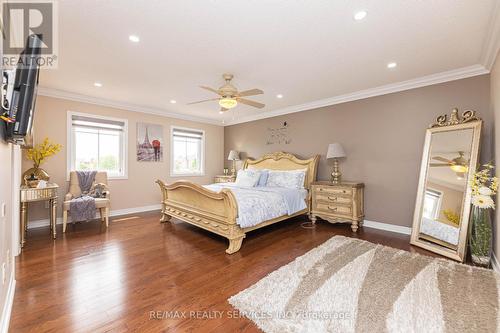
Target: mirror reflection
[(445, 185)]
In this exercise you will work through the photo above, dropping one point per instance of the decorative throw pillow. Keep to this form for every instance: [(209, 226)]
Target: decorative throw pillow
[(264, 173), (247, 178), (98, 190), (289, 179)]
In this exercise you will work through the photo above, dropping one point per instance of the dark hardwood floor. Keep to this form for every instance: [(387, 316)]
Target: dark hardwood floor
[(96, 280)]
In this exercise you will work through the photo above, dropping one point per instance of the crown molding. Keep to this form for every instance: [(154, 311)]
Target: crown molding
[(492, 42), (56, 93), (455, 74)]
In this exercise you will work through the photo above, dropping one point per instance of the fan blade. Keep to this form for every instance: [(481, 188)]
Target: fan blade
[(250, 92), (223, 109), (439, 165), (442, 159), (251, 103), (210, 89), (206, 100)]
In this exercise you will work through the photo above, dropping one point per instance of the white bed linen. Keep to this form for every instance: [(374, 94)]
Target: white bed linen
[(259, 204), (440, 231)]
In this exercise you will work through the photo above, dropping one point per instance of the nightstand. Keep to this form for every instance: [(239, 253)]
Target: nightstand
[(338, 203), (224, 179)]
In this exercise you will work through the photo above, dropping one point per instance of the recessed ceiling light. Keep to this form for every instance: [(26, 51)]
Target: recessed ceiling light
[(221, 112), (98, 84), (360, 15), (392, 65), (279, 96), (134, 38), (173, 101)]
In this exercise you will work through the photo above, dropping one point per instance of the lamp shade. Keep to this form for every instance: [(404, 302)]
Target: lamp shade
[(335, 150), (233, 156)]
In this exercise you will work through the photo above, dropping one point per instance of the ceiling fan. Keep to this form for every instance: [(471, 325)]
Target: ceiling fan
[(459, 164), (229, 96)]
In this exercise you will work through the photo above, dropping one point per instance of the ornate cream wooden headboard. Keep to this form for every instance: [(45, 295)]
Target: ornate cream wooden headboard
[(285, 161)]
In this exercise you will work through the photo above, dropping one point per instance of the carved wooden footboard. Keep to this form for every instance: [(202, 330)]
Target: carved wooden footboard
[(194, 204), (217, 211)]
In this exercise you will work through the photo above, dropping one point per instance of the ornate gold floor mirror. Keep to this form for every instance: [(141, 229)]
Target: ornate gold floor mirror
[(443, 205)]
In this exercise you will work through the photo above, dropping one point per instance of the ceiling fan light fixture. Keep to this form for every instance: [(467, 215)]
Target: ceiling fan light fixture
[(459, 168), (227, 102)]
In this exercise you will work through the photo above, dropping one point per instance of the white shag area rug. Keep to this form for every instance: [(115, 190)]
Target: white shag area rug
[(350, 285)]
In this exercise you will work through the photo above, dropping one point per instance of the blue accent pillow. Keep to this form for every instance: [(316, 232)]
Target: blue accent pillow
[(263, 177)]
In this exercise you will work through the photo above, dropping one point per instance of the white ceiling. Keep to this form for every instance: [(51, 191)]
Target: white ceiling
[(307, 51)]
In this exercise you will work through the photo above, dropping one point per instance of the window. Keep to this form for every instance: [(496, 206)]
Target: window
[(97, 143), (187, 152), (432, 203)]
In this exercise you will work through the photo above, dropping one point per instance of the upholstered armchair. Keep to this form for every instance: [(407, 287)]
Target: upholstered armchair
[(102, 204)]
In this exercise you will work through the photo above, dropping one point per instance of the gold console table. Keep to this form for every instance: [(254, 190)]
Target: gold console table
[(48, 193)]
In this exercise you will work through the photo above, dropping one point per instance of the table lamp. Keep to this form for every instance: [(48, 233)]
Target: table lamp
[(233, 156), (335, 151)]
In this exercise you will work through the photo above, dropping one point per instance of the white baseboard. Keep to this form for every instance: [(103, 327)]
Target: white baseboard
[(117, 212), (494, 263), (7, 309), (387, 227)]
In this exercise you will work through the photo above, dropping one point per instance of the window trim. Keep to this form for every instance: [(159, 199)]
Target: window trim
[(70, 153), (203, 148)]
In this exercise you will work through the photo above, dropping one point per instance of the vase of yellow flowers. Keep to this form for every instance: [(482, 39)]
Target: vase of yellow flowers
[(483, 185), (39, 154)]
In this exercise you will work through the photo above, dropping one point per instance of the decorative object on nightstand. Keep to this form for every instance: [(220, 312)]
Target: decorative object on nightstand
[(39, 154), (233, 156), (338, 202), (224, 179), (335, 151)]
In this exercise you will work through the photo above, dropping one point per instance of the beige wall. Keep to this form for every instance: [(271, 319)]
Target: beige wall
[(383, 137), (495, 104), (139, 189), (5, 221)]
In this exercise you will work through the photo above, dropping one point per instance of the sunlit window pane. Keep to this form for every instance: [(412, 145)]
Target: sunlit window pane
[(86, 157), (98, 145), (187, 152)]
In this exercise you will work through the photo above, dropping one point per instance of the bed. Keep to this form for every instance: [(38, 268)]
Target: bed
[(215, 207)]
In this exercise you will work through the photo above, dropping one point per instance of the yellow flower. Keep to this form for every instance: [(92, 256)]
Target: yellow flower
[(42, 151)]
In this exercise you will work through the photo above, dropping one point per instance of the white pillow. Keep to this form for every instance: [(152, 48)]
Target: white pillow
[(247, 178), (289, 179)]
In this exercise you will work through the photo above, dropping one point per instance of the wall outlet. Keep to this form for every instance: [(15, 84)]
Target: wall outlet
[(4, 274), (3, 209)]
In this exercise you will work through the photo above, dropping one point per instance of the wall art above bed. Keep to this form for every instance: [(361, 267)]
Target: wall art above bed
[(279, 135)]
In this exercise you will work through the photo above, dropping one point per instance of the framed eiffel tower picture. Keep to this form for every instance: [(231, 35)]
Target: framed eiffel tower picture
[(149, 142)]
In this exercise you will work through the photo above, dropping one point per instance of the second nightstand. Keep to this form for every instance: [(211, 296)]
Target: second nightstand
[(224, 179), (338, 203)]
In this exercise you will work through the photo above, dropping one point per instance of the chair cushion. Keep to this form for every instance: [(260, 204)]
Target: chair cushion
[(99, 203)]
